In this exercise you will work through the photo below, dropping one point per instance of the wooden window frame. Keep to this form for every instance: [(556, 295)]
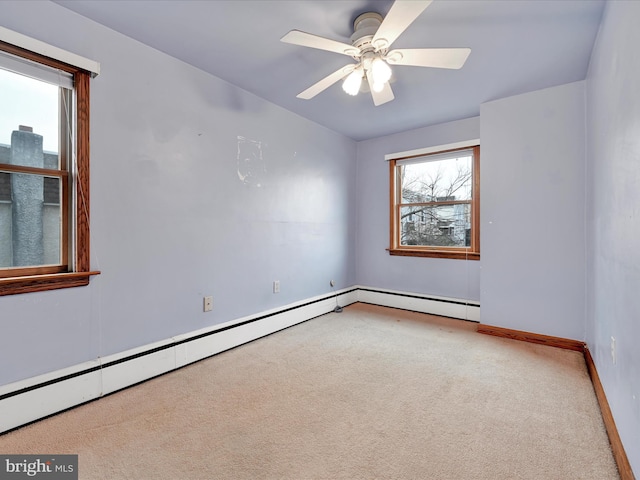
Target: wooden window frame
[(74, 198), (456, 253)]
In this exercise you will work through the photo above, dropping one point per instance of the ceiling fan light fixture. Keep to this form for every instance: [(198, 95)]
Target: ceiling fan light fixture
[(380, 70), (352, 83), (378, 87), (370, 47)]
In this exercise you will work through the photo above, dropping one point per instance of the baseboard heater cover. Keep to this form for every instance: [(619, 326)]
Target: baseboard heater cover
[(35, 398), (431, 304)]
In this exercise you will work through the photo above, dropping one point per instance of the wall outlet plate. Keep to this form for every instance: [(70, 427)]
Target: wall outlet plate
[(208, 304), (276, 286)]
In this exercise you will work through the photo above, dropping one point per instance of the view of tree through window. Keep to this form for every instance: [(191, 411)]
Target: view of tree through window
[(434, 202), (430, 189)]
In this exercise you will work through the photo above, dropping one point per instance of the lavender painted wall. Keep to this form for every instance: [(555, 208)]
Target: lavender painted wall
[(375, 267), (613, 216), (532, 212), (172, 219)]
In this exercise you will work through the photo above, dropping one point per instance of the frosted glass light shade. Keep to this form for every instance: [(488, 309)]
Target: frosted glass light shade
[(352, 83), (380, 70), (378, 87)]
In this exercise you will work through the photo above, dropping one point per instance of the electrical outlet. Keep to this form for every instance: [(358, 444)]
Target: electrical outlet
[(276, 286), (332, 283), (208, 304), (613, 350)]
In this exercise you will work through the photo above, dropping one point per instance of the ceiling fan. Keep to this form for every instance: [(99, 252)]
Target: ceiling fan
[(371, 41)]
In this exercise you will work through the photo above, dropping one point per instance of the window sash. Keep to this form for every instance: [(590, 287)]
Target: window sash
[(433, 204), (396, 248), (63, 255), (76, 196), (64, 80), (35, 70), (46, 172), (448, 155)]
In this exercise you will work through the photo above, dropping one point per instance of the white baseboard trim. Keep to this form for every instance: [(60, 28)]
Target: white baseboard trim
[(32, 399), (48, 398), (28, 400), (432, 304)]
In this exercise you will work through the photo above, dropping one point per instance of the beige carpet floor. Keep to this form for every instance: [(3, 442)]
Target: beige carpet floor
[(370, 393)]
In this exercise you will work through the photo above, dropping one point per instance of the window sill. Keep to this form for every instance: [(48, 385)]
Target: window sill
[(41, 283), (454, 255)]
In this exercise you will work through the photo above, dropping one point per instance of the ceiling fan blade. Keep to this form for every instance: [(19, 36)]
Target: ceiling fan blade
[(296, 37), (384, 96), (400, 16), (326, 82), (429, 57)]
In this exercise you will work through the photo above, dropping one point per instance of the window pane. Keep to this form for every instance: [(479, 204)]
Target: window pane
[(437, 180), (32, 104), (30, 220), (438, 226)]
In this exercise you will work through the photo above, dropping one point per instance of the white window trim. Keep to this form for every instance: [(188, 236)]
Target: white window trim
[(37, 46), (434, 149)]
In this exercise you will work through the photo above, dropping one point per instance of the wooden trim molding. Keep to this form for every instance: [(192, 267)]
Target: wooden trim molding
[(557, 342), (393, 186), (41, 283), (35, 57), (475, 206), (620, 456), (83, 259), (75, 266), (454, 254), (457, 253), (47, 172)]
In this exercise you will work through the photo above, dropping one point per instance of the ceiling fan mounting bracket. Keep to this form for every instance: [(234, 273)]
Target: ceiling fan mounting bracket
[(364, 28), (367, 20)]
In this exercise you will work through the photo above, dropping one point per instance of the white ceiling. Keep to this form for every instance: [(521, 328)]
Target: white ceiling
[(516, 46)]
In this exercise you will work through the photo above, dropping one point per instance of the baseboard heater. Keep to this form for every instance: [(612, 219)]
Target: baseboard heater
[(35, 398)]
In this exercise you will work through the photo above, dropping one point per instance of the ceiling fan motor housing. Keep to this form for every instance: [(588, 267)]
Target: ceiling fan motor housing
[(364, 28)]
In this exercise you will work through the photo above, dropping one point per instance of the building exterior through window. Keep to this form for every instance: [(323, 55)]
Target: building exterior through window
[(434, 204), (44, 167), (29, 204)]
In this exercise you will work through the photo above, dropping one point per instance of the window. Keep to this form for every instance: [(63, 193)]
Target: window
[(435, 205), (44, 173)]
